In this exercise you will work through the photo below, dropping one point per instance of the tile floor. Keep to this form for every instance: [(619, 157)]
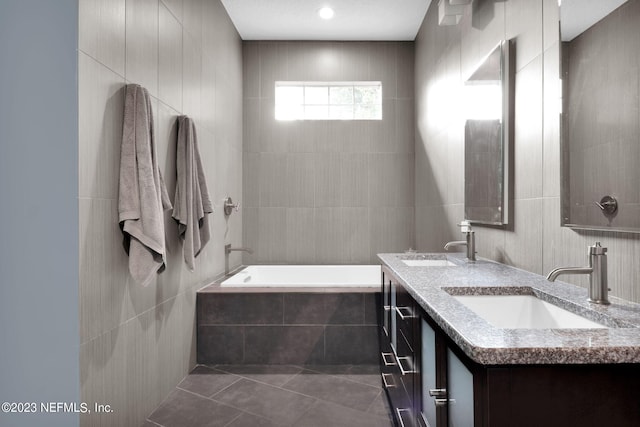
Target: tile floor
[(276, 396)]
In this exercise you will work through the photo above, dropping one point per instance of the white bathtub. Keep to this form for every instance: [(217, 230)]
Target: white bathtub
[(306, 275)]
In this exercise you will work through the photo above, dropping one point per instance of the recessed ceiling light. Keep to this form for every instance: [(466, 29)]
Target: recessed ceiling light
[(325, 12)]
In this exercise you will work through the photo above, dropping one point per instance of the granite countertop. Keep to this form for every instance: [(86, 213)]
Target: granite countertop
[(433, 288)]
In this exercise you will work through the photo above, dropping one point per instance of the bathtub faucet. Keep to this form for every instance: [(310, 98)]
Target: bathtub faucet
[(470, 242), (227, 250)]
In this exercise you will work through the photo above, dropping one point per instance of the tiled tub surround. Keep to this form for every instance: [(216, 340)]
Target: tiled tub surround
[(292, 325), (433, 288)]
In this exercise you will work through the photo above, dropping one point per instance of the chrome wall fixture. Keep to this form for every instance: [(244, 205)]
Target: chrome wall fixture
[(229, 206)]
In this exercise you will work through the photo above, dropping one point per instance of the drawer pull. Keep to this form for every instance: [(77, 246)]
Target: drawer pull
[(384, 381), (399, 412), (440, 402), (438, 392), (386, 362), (410, 369), (405, 313)]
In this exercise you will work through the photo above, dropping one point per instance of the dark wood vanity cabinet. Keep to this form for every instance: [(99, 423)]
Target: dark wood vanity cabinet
[(430, 382), (418, 367), (397, 350)]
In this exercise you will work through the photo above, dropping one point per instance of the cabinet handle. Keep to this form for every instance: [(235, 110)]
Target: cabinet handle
[(409, 363), (399, 411), (441, 402), (384, 381), (407, 315), (438, 392), (386, 362)]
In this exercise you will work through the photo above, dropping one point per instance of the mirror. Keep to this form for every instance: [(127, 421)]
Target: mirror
[(486, 131), (600, 116)]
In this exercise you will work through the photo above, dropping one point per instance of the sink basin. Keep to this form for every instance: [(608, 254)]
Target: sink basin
[(523, 312), (428, 263)]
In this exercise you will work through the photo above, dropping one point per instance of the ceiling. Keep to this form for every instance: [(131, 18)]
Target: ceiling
[(576, 16), (353, 20)]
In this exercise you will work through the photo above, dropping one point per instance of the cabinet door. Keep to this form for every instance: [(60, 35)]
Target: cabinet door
[(428, 374), (386, 303), (460, 392)]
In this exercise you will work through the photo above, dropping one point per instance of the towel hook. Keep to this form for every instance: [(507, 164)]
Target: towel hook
[(229, 206)]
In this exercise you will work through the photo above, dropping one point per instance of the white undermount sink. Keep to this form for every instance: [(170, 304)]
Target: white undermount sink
[(428, 263), (523, 312)]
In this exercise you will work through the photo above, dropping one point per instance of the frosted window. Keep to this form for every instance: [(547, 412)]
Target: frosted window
[(328, 101)]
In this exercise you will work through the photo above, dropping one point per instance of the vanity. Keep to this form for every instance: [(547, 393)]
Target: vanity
[(485, 344)]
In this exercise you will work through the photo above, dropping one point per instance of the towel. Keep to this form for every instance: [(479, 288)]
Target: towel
[(142, 196), (192, 202)]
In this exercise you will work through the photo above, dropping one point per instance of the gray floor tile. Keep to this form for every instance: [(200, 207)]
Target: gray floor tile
[(333, 389), (278, 405), (276, 396), (325, 414), (380, 407), (248, 420), (184, 409), (206, 381), (364, 374), (270, 374)]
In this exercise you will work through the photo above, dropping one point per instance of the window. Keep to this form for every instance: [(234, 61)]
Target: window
[(328, 101)]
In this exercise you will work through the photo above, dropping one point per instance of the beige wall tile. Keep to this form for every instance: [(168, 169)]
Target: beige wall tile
[(142, 44), (101, 32), (528, 131), (524, 26), (131, 333), (101, 108), (169, 59)]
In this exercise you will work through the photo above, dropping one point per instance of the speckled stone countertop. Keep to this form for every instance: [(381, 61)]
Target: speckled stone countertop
[(433, 288)]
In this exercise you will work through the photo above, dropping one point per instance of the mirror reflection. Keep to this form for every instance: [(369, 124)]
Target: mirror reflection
[(485, 130), (601, 114)]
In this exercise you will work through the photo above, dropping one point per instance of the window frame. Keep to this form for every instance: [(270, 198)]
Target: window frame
[(281, 114)]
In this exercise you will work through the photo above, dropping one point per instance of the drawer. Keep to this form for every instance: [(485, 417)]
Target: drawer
[(403, 411), (405, 328)]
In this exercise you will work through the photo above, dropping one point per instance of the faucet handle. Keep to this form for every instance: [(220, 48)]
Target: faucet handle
[(229, 206), (597, 249), (465, 226)]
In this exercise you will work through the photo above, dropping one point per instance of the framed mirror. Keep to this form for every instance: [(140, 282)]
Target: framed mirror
[(600, 138), (487, 100)]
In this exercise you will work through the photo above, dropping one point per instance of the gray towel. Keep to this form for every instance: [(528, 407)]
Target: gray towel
[(192, 201), (142, 194)]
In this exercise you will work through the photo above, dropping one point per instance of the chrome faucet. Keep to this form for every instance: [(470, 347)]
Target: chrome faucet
[(597, 271), (470, 242), (227, 250)]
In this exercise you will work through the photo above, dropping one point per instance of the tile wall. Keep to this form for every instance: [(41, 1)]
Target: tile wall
[(327, 192), (299, 328), (137, 343), (533, 240)]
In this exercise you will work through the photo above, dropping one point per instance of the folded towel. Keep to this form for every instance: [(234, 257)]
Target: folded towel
[(192, 201), (142, 194)]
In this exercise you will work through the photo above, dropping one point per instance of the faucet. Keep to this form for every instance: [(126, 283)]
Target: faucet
[(227, 250), (597, 271), (470, 242)]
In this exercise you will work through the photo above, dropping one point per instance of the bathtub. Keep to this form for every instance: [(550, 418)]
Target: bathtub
[(291, 315), (327, 276)]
